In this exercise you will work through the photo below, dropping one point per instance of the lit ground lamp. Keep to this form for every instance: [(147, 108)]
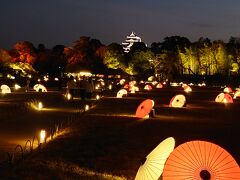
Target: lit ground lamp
[(98, 97), (121, 93), (178, 101), (223, 98), (5, 89), (86, 107), (69, 96), (42, 136), (153, 166), (145, 108), (200, 160), (40, 105)]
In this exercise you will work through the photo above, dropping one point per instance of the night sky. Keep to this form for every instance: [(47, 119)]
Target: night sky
[(54, 22)]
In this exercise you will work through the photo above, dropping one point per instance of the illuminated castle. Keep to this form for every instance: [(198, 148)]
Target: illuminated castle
[(129, 41)]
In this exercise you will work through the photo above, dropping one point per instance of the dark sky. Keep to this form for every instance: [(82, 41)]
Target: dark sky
[(54, 22)]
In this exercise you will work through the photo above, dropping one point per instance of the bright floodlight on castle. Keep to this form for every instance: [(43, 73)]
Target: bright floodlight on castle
[(130, 40)]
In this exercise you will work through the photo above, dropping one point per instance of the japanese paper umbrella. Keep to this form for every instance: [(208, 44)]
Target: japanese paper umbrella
[(178, 101), (5, 89), (200, 160), (155, 160), (224, 98), (121, 92), (144, 108)]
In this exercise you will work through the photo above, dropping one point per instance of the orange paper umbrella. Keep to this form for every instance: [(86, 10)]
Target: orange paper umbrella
[(200, 160), (144, 108), (154, 163), (178, 101)]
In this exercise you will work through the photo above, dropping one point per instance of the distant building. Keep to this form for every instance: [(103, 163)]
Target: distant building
[(129, 41)]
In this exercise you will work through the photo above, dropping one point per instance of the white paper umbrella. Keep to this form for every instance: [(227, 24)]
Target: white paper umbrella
[(5, 89), (121, 92), (178, 101), (155, 160), (39, 88), (227, 90), (200, 160)]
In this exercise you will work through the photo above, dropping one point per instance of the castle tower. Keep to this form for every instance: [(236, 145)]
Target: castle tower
[(132, 38)]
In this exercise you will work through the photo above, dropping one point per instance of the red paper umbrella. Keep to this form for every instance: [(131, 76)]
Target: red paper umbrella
[(178, 101), (144, 108), (155, 160), (200, 160)]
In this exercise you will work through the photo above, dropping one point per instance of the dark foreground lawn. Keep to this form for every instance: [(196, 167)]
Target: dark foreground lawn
[(108, 142)]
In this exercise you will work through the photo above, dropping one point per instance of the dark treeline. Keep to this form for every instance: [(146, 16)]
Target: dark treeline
[(173, 58)]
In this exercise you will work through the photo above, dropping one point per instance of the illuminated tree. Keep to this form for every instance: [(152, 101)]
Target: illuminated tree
[(114, 56), (140, 63), (26, 52)]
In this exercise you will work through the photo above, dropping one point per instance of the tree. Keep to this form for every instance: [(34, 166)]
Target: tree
[(114, 56), (26, 52), (140, 63)]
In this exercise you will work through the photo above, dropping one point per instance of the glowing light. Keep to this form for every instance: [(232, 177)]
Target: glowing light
[(42, 136), (69, 96), (97, 97), (85, 73), (122, 81), (86, 107), (16, 86), (39, 80), (110, 87), (97, 86), (40, 105), (56, 79), (45, 78)]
